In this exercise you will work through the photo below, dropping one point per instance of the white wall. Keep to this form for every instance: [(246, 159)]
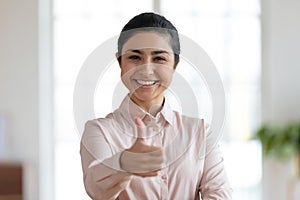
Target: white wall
[(280, 83), (280, 60), (19, 85)]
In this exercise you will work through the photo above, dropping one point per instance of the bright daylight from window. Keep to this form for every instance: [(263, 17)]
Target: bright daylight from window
[(228, 30)]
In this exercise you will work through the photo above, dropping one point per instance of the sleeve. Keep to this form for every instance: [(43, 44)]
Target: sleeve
[(103, 177), (214, 184)]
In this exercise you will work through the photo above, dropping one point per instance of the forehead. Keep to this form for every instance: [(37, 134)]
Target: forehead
[(148, 40)]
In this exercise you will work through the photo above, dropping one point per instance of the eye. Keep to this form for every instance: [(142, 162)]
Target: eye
[(134, 57), (159, 58)]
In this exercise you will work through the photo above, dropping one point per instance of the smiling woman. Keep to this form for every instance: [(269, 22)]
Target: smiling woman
[(144, 149), (147, 72), (229, 32)]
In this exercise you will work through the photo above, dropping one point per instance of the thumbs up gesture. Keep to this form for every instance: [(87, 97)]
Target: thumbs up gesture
[(141, 159)]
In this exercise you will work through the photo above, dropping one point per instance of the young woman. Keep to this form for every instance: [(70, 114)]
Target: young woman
[(144, 149)]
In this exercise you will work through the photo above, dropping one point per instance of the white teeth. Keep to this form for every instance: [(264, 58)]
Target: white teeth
[(142, 82)]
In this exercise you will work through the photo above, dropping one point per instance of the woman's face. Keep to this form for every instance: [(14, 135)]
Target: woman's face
[(147, 66)]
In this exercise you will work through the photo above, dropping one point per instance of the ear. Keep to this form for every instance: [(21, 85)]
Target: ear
[(177, 63), (118, 58)]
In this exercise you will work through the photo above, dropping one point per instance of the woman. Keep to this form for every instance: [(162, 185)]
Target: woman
[(144, 149)]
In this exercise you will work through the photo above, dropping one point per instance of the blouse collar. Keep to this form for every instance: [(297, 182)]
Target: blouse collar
[(131, 110)]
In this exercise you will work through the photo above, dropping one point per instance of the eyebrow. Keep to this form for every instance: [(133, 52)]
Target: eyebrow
[(153, 52)]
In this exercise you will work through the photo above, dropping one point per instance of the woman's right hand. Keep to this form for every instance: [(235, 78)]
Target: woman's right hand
[(142, 159)]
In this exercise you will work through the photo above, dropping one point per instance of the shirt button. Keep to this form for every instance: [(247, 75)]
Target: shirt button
[(155, 129), (164, 177)]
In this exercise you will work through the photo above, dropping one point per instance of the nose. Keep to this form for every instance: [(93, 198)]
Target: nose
[(148, 67)]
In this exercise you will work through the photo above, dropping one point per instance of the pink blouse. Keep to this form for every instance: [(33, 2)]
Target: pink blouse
[(193, 167)]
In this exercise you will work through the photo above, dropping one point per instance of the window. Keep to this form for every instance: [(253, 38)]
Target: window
[(228, 30)]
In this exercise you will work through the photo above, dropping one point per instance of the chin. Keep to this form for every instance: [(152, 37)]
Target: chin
[(145, 96)]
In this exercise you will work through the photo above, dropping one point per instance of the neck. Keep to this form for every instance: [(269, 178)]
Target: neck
[(152, 107)]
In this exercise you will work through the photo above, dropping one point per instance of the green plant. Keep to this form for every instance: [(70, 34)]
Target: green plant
[(281, 142)]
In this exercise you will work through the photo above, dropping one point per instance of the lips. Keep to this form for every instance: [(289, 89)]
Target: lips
[(146, 82)]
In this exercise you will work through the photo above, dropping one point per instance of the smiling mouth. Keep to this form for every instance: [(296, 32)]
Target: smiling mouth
[(146, 82)]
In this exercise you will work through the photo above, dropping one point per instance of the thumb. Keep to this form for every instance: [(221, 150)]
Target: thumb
[(140, 129)]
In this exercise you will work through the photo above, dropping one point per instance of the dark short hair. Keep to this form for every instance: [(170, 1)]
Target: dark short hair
[(150, 22)]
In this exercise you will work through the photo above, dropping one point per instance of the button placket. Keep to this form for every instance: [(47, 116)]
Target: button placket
[(164, 183)]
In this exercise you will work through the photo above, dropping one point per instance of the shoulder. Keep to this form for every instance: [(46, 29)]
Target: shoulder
[(97, 125), (99, 121)]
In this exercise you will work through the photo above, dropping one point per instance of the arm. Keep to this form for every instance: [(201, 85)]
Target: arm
[(214, 183), (107, 175), (102, 179)]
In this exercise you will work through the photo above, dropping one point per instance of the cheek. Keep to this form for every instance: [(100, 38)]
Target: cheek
[(167, 81), (125, 68), (123, 72), (165, 75), (126, 74)]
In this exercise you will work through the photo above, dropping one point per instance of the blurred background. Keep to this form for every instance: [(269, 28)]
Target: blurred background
[(254, 44)]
